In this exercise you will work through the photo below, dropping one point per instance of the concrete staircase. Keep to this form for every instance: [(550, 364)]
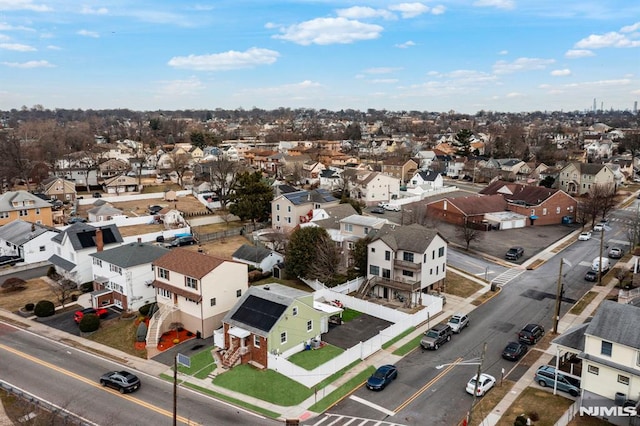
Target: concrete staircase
[(155, 324)]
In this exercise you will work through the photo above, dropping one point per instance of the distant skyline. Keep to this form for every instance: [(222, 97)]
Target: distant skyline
[(462, 55)]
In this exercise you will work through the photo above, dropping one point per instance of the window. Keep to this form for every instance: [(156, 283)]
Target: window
[(593, 369), (544, 212), (310, 325), (256, 341), (557, 210), (283, 337), (277, 218), (407, 256), (348, 227), (42, 248), (623, 379), (350, 245), (638, 359), (116, 269), (37, 211), (191, 283), (163, 273), (289, 208), (424, 258), (366, 230), (238, 293), (373, 249), (4, 215), (387, 255), (97, 262), (407, 273), (606, 348), (288, 219), (441, 252), (278, 207), (24, 213), (164, 293), (374, 270), (294, 311), (213, 301)]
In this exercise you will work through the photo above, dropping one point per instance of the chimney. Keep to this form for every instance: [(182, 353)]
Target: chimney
[(140, 240), (99, 240)]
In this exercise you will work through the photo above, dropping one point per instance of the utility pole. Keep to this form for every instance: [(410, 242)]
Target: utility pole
[(556, 313), (475, 391), (600, 258), (175, 390)]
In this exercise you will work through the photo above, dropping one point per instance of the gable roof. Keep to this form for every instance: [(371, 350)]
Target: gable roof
[(132, 254), (189, 262), (428, 175), (251, 253), (83, 235), (518, 193), (415, 237), (19, 231), (105, 210), (336, 214), (616, 322), (14, 200), (261, 307), (316, 196)]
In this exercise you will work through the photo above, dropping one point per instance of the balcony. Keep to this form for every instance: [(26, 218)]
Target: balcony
[(406, 265), (409, 286)]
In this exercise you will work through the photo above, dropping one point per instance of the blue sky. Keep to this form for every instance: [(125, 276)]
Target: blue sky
[(498, 55)]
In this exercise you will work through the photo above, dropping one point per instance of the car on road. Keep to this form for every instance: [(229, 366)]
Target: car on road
[(546, 377), (591, 276), (482, 386), (100, 312), (458, 321), (436, 336), (514, 253), (122, 381), (615, 253), (378, 210), (601, 225), (531, 333), (382, 377), (514, 351), (584, 236)]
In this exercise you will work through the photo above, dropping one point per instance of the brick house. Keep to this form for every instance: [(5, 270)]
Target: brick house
[(399, 168)]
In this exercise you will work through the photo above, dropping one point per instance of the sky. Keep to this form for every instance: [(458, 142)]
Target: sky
[(449, 55)]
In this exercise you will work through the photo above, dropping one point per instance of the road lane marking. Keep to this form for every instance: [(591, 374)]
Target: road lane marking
[(94, 384), (427, 385), (372, 405)]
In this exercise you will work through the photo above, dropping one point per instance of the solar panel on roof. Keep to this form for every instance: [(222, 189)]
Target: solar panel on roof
[(259, 313)]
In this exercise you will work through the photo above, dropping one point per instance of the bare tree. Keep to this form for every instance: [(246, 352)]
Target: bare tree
[(469, 232), (223, 175), (326, 261), (633, 231), (63, 289), (180, 163), (604, 196)]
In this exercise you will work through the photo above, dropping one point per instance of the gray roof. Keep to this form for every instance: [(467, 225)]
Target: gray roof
[(428, 175), (14, 200), (132, 254), (251, 253), (336, 214), (573, 338), (63, 263), (19, 232), (82, 235), (414, 238), (275, 293), (356, 219), (105, 210), (316, 196), (617, 323)]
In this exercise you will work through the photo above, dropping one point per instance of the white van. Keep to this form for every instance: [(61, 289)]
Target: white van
[(595, 265), (390, 207)]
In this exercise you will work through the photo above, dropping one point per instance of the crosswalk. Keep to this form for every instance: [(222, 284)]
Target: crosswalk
[(340, 420), (507, 276)]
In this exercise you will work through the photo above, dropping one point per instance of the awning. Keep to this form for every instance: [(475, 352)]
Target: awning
[(239, 332), (533, 217), (177, 290), (63, 263), (325, 307)]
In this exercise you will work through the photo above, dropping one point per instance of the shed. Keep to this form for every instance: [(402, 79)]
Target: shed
[(170, 195)]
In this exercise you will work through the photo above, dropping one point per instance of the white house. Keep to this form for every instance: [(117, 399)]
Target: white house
[(258, 257), (30, 241), (122, 275), (372, 187), (426, 179)]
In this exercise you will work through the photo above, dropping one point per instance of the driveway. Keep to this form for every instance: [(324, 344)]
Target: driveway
[(64, 321), (355, 331)]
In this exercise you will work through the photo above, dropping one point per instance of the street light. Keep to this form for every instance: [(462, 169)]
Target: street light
[(473, 361)]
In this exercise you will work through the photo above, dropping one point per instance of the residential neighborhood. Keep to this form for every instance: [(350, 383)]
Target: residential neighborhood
[(335, 265)]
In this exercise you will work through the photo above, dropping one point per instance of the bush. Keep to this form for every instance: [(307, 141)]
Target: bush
[(44, 308), (141, 333), (14, 284), (29, 307), (86, 287), (74, 297), (89, 323), (144, 310), (521, 420), (51, 272)]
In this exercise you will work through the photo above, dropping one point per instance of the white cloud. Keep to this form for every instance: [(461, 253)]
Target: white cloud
[(8, 27), (382, 70), (190, 86), (521, 64), (384, 80), (17, 47), (630, 28), (601, 83), (325, 31), (86, 33), (499, 4), (23, 5), (561, 73), (409, 10), (4, 37), (578, 53), (503, 52), (88, 10), (53, 47), (405, 45), (469, 76), (514, 95), (29, 64), (611, 39), (438, 10), (226, 61), (362, 12)]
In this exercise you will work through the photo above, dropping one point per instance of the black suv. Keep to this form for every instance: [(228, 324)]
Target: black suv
[(187, 240), (514, 253), (531, 333), (436, 336)]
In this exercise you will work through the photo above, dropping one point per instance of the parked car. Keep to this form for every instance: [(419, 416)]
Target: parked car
[(100, 312), (584, 236), (601, 225), (76, 219), (615, 253), (591, 276), (514, 253), (122, 381), (458, 321), (531, 333), (600, 264), (382, 377), (482, 386), (436, 336), (155, 209), (97, 195), (546, 377), (377, 210), (187, 240), (514, 351), (391, 207)]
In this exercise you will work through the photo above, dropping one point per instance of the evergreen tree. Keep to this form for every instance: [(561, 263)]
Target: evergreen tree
[(463, 142), (251, 197)]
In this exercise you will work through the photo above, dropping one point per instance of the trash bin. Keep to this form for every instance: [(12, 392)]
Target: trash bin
[(494, 287)]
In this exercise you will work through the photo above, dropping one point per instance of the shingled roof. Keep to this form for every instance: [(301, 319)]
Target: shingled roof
[(414, 238), (189, 262), (516, 192), (476, 205), (616, 322)]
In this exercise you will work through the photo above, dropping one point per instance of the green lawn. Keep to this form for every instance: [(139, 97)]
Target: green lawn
[(202, 364), (409, 346), (342, 391), (266, 385), (398, 337), (350, 314), (314, 358)]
